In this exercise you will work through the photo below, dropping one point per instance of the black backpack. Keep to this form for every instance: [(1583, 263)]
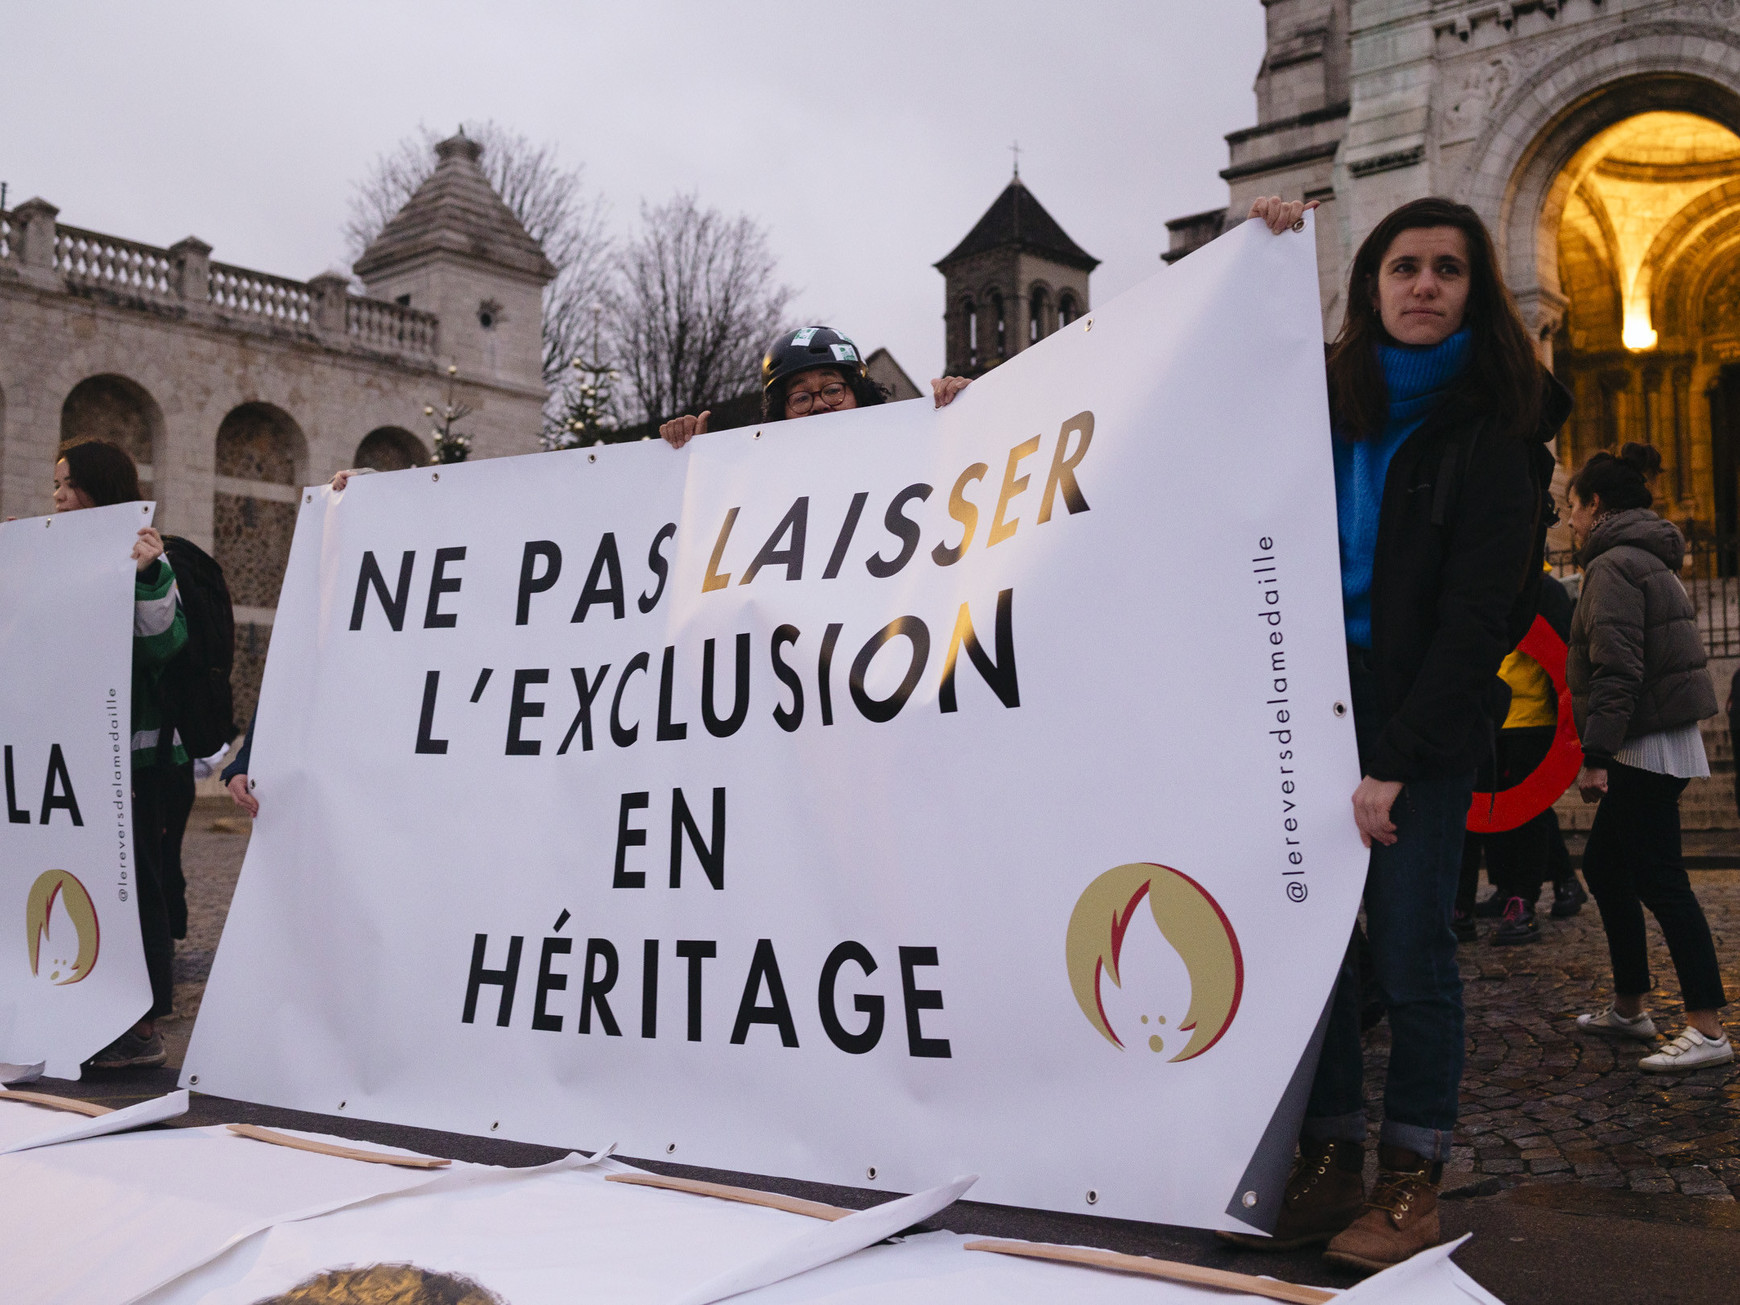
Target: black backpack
[(195, 683)]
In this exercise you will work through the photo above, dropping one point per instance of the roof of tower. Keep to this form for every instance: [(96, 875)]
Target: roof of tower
[(456, 211), (1018, 219)]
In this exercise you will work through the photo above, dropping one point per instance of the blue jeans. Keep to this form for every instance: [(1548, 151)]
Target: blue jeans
[(1410, 890)]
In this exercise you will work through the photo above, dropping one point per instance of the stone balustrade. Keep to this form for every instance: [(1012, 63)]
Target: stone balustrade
[(379, 324), (46, 253), (92, 261), (238, 292)]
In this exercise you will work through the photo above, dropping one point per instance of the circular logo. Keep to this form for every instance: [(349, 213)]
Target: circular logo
[(1493, 813), (1187, 917), (62, 886)]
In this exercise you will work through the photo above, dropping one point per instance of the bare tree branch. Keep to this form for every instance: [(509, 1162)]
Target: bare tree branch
[(551, 203), (693, 304)]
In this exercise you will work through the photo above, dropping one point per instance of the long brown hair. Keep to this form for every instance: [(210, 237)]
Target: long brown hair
[(1503, 375)]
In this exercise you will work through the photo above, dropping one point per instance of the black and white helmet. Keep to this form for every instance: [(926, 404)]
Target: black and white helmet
[(811, 346)]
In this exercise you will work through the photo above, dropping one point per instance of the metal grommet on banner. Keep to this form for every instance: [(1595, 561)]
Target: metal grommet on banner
[(435, 476), (1250, 1200), (1093, 1197), (1299, 225), (592, 457), (757, 434), (193, 1081), (341, 1105), (870, 1173), (309, 499), (671, 1149), (145, 508), (495, 1126), (1340, 709), (1088, 325)]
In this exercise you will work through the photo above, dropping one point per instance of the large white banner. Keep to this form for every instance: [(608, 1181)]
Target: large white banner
[(868, 798), (72, 970)]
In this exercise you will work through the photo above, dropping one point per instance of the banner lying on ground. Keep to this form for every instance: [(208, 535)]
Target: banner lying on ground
[(72, 971), (868, 798)]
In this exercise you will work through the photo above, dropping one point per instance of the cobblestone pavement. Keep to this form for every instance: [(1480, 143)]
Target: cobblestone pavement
[(1541, 1102)]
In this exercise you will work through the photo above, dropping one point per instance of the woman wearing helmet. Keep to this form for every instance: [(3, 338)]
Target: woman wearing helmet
[(808, 371)]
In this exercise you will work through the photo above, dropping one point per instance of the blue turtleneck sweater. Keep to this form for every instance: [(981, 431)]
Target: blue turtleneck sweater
[(1417, 380)]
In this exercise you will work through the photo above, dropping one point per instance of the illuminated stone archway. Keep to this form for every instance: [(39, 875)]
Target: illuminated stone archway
[(1646, 247)]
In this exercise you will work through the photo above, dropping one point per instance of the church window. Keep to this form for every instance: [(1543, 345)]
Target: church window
[(1036, 314), (1002, 324), (971, 311), (1066, 309)]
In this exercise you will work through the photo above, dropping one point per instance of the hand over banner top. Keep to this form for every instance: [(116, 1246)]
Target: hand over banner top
[(72, 970), (758, 805)]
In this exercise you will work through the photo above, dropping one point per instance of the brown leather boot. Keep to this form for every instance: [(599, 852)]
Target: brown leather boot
[(1324, 1193), (1400, 1219)]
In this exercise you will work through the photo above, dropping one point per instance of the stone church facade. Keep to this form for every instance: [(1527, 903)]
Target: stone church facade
[(233, 388), (1600, 142)]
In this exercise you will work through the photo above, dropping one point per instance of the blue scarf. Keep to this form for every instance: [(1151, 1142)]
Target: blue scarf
[(1417, 381)]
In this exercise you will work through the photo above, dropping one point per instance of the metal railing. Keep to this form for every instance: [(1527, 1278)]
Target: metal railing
[(1715, 596)]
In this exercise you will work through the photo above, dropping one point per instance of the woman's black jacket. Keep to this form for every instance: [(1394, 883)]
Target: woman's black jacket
[(1455, 582)]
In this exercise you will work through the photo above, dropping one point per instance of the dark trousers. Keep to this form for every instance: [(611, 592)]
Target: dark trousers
[(1520, 860), (150, 786), (1410, 889), (1632, 860), (177, 806)]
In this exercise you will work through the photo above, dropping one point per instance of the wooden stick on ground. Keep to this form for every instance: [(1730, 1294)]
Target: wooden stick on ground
[(1171, 1270), (343, 1152), (53, 1102), (748, 1195)]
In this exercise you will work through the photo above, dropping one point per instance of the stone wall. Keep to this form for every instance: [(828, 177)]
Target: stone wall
[(230, 396)]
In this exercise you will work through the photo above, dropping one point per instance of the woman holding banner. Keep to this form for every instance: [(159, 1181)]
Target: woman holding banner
[(1441, 413), (808, 372), (97, 474)]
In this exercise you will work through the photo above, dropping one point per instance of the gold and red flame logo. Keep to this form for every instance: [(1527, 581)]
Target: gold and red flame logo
[(1188, 918), (62, 886)]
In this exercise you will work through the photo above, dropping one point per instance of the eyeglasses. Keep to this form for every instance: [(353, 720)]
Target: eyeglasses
[(801, 401)]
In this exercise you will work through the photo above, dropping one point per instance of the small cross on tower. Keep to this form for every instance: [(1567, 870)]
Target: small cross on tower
[(1015, 149)]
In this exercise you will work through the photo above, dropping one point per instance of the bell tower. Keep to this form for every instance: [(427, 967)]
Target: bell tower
[(1014, 280)]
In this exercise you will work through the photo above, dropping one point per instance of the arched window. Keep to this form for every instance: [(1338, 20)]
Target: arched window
[(120, 411), (971, 311), (1002, 324), (261, 459), (1066, 309), (1038, 308), (390, 448)]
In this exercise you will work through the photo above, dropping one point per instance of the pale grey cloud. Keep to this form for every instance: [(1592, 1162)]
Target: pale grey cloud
[(866, 138)]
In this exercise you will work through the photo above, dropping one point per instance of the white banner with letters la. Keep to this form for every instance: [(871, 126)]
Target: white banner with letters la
[(863, 798), (72, 970)]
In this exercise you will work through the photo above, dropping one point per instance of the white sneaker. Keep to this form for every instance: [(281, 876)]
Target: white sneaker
[(1611, 1021), (1691, 1050)]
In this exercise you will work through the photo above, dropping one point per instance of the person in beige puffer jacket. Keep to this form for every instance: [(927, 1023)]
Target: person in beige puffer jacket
[(1639, 687)]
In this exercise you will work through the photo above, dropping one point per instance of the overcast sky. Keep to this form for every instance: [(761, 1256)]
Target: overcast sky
[(867, 138)]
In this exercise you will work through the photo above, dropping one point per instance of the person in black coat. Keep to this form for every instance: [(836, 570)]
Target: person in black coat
[(1441, 414)]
